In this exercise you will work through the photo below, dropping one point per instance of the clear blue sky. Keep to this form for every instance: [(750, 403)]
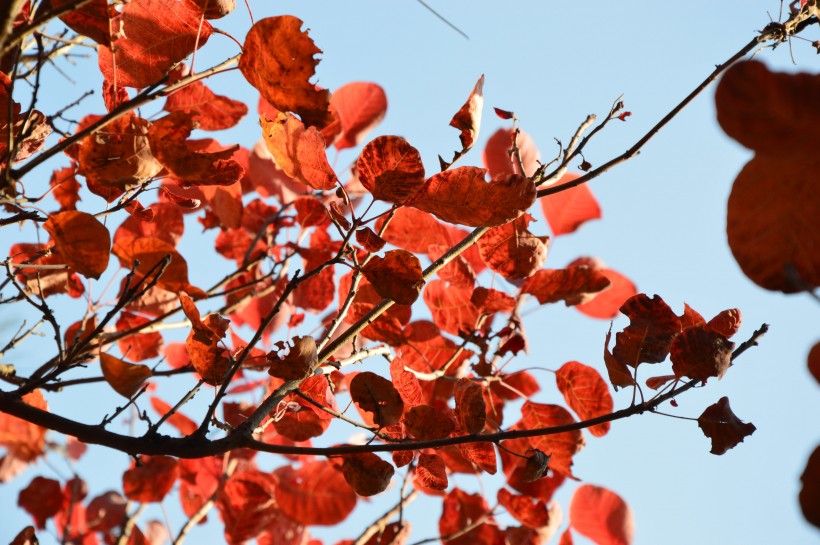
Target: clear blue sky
[(664, 219)]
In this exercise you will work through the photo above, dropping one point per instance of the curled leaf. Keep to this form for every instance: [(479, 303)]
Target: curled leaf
[(720, 424), (125, 378)]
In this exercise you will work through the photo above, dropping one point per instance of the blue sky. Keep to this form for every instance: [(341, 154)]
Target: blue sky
[(553, 63)]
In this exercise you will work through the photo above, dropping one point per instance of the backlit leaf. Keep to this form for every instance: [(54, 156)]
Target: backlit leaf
[(278, 59), (391, 169), (586, 393), (471, 410), (512, 250), (126, 378), (726, 323), (431, 471), (42, 498), (24, 441), (720, 424), (396, 276), (360, 106), (414, 230), (137, 346), (298, 150), (531, 512), (83, 241), (210, 111), (605, 304), (366, 473), (151, 480), (316, 493), (95, 19), (560, 447), (426, 423), (468, 118), (298, 363), (601, 515), (377, 395), (498, 157), (182, 423), (247, 505), (461, 510), (699, 353), (573, 285), (649, 335), (450, 306), (568, 210), (405, 383)]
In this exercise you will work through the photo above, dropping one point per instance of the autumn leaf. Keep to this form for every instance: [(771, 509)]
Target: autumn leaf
[(810, 492), (377, 396), (431, 471), (461, 510), (720, 424), (278, 59), (605, 304), (471, 410), (208, 356), (649, 335), (601, 515), (83, 241), (316, 493), (560, 447), (369, 240), (699, 353), (427, 423), (95, 19), (310, 212), (23, 440), (573, 285), (405, 383), (151, 480), (125, 378), (512, 250), (168, 140), (567, 210), (137, 346), (147, 253), (42, 499), (498, 156), (414, 230), (246, 503), (461, 195), (396, 276), (531, 512), (586, 393), (182, 423), (298, 150), (211, 112), (391, 169), (155, 35), (298, 363), (359, 106), (366, 473), (450, 306), (726, 323), (468, 118)]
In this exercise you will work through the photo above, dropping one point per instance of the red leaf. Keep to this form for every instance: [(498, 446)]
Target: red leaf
[(560, 447), (246, 503), (405, 383), (65, 188), (182, 423), (24, 441), (366, 473), (298, 151), (42, 498), (125, 378), (461, 510), (471, 410), (278, 59), (95, 19), (726, 323), (168, 140), (586, 393), (503, 114), (310, 212), (155, 35), (369, 240), (498, 154), (720, 424), (512, 251), (359, 106), (649, 335), (397, 276), (298, 363), (431, 472), (451, 307), (573, 285), (460, 195), (426, 423), (414, 230), (148, 253), (376, 395), (810, 492), (25, 537), (488, 300), (167, 224), (699, 353), (568, 210), (391, 169), (690, 318), (106, 512), (316, 493), (210, 111), (480, 454), (151, 480), (468, 118), (606, 304), (601, 515), (83, 241), (137, 346), (531, 512)]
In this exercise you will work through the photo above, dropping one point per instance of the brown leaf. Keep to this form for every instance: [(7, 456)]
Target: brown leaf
[(366, 473), (461, 195), (573, 285), (649, 335), (397, 276), (810, 492), (278, 59), (427, 423), (468, 118), (298, 151), (699, 353), (83, 241), (720, 424), (377, 395), (298, 363), (391, 169), (126, 378), (155, 35)]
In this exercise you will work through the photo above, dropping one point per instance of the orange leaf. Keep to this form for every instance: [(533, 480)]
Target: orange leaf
[(168, 140), (83, 241), (377, 395), (461, 510), (601, 515), (360, 106), (560, 447), (366, 473), (155, 35), (586, 393), (24, 441), (605, 304), (210, 111), (461, 195), (568, 210), (151, 480), (498, 155), (314, 494), (391, 169), (512, 251), (426, 423), (531, 512), (649, 335), (149, 252), (137, 346), (720, 424), (397, 276), (208, 356), (726, 323), (471, 410), (182, 423), (126, 378), (431, 471), (450, 306), (573, 285), (278, 59), (699, 353), (298, 151), (414, 230), (468, 118)]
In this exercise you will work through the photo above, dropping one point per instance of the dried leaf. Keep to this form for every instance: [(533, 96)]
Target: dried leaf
[(366, 473), (720, 424), (699, 353), (468, 118)]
